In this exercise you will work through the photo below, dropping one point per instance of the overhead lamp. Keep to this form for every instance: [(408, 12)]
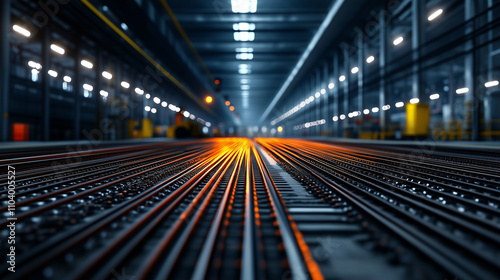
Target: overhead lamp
[(375, 110), (370, 59), (335, 118), (147, 108), (244, 56), (209, 99), (398, 41), (156, 100), (52, 73), (317, 94), (243, 26), (23, 31), (400, 104), (323, 91), (244, 69), (355, 70), (153, 110), (462, 90), (87, 64), (88, 87), (125, 84), (107, 75), (67, 79), (434, 96), (244, 36), (104, 93), (366, 111), (57, 49), (491, 84), (164, 104), (35, 65), (342, 117), (342, 78), (435, 14), (414, 100), (139, 91), (331, 85), (148, 96), (244, 6)]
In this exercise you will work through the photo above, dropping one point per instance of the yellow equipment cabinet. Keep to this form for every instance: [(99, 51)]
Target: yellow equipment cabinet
[(145, 132), (417, 119)]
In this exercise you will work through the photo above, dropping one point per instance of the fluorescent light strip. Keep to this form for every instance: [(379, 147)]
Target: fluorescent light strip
[(398, 41), (57, 49), (21, 30), (243, 26), (491, 84), (107, 75), (435, 14), (87, 64), (244, 6), (244, 36)]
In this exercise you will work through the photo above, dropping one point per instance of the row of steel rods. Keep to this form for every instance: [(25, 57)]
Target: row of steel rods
[(301, 261), (66, 164), (63, 242), (388, 174), (110, 180), (100, 172), (442, 243)]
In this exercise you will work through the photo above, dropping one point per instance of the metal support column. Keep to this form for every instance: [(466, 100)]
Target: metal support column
[(345, 83), (317, 101), (45, 83), (471, 122), (335, 93), (417, 32), (382, 73), (326, 114), (361, 67), (77, 90), (112, 127), (98, 86), (311, 106), (5, 69), (487, 102)]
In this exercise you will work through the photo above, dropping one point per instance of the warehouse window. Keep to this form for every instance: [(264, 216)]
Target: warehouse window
[(87, 94), (34, 75)]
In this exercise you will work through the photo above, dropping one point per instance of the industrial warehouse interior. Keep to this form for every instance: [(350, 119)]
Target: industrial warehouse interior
[(250, 139)]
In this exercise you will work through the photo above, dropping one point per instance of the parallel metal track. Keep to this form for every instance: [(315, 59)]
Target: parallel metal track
[(441, 213), (269, 209)]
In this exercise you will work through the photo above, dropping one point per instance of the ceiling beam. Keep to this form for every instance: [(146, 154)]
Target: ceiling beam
[(256, 18)]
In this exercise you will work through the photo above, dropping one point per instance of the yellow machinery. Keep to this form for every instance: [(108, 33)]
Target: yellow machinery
[(417, 119), (145, 132)]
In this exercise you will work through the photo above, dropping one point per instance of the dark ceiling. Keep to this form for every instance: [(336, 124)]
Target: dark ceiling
[(283, 29)]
